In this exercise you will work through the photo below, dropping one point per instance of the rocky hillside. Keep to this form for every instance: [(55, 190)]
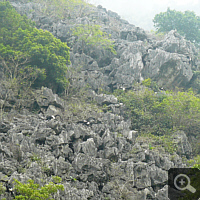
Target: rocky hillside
[(89, 143), (98, 157), (170, 61)]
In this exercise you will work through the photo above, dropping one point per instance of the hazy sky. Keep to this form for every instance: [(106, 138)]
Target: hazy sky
[(141, 12)]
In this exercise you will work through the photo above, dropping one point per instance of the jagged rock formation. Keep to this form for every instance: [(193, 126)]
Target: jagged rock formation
[(97, 155), (99, 159), (139, 55)]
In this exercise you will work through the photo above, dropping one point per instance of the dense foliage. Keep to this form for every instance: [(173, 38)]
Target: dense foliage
[(162, 112), (23, 47), (186, 23), (33, 191)]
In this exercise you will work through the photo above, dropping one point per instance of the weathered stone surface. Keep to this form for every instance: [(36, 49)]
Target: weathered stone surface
[(183, 146), (139, 55), (105, 99), (88, 157), (168, 69), (88, 147), (99, 156), (175, 43), (4, 127), (45, 97)]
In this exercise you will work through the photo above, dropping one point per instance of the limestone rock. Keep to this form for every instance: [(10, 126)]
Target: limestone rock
[(45, 97), (182, 144)]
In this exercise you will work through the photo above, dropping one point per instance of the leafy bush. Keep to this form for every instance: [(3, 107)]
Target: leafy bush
[(156, 142), (183, 110), (141, 110), (38, 53), (33, 191), (161, 113), (92, 35), (2, 188), (195, 162)]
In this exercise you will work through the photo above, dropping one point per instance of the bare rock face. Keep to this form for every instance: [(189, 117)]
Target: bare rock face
[(168, 69), (175, 43), (170, 63), (183, 146)]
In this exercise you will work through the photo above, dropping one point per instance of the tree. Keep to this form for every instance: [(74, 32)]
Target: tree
[(92, 35), (11, 20), (18, 77), (186, 23), (33, 191), (22, 46)]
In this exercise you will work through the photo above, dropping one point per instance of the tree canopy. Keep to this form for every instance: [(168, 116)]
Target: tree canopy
[(186, 23), (21, 44)]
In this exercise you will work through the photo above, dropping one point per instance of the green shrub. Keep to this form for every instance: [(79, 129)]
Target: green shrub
[(27, 50), (92, 35), (161, 113), (33, 191), (2, 189)]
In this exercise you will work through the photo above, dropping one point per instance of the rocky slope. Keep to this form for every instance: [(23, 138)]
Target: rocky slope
[(170, 61), (98, 157), (92, 147)]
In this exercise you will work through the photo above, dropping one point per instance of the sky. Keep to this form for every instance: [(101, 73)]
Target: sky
[(141, 12)]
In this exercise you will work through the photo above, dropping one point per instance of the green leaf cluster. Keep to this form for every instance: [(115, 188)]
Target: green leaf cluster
[(183, 108), (22, 47), (33, 191), (10, 21), (161, 113), (186, 23), (93, 35), (155, 142), (195, 162)]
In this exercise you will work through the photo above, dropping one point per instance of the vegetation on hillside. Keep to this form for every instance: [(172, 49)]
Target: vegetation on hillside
[(163, 112), (186, 23), (27, 50), (87, 34), (92, 35), (33, 191), (32, 57), (61, 9)]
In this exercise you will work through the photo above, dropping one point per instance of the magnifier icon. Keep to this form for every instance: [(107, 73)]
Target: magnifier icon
[(182, 182)]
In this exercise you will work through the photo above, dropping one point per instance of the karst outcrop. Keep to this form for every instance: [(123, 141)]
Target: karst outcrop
[(92, 147)]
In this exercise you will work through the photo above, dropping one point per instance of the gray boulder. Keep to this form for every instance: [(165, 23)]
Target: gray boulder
[(45, 98), (168, 69), (183, 146)]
